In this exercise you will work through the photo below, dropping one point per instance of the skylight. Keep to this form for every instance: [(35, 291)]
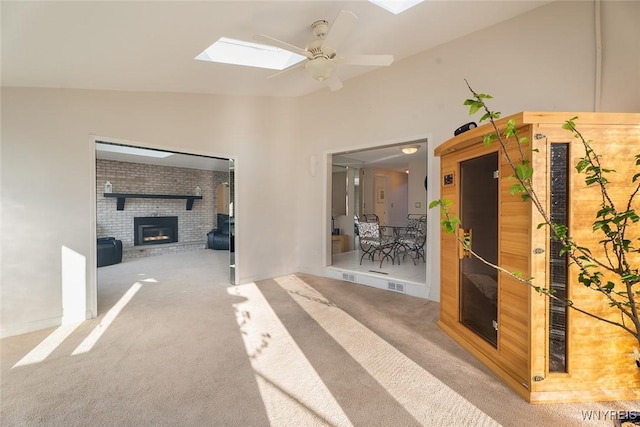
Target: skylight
[(238, 52), (396, 6)]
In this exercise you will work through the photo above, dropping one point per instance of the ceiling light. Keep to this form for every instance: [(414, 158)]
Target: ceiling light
[(320, 68), (239, 52), (410, 149), (396, 6)]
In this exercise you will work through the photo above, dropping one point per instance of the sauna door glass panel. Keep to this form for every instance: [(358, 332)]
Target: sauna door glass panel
[(479, 217)]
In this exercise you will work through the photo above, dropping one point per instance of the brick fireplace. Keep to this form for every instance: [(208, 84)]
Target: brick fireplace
[(191, 226)]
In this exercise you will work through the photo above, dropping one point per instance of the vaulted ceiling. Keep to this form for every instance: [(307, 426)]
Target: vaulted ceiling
[(151, 45)]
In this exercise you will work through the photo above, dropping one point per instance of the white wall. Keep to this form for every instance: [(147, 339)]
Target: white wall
[(47, 170), (417, 200), (543, 60)]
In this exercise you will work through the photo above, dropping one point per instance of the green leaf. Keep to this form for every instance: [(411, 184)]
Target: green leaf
[(587, 251), (560, 230), (631, 278), (570, 124), (517, 188), (582, 165), (489, 138), (510, 130), (564, 250), (434, 203), (484, 96), (524, 172)]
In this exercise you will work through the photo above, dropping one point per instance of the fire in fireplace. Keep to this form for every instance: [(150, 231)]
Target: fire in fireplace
[(154, 230)]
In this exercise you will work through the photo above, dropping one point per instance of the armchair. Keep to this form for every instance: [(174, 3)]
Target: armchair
[(218, 238)]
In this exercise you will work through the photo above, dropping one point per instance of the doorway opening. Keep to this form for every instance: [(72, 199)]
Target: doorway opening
[(153, 202), (387, 186)]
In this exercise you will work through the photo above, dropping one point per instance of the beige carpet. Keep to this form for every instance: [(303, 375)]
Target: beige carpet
[(175, 345)]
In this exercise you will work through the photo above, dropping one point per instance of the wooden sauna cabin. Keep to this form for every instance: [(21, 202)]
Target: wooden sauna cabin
[(542, 350)]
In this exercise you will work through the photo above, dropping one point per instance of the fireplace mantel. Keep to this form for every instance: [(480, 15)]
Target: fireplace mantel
[(124, 196)]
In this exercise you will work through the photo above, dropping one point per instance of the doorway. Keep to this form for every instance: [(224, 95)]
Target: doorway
[(381, 202), (161, 184), (387, 183), (479, 222)]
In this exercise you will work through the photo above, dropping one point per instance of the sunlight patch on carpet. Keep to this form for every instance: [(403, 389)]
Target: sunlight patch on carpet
[(46, 347), (292, 391), (426, 398), (87, 344)]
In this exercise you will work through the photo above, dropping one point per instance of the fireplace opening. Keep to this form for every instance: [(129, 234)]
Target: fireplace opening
[(155, 230)]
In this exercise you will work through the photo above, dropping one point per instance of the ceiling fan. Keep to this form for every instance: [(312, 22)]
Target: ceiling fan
[(321, 53)]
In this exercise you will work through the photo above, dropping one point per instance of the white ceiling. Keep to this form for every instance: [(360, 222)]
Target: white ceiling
[(151, 45), (390, 157)]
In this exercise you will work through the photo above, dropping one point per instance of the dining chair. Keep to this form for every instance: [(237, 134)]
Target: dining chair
[(412, 241), (373, 241), (370, 218)]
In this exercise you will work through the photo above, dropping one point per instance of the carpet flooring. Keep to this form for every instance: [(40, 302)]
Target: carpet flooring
[(175, 345)]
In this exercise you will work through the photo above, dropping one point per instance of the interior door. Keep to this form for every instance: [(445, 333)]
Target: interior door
[(479, 217), (381, 197)]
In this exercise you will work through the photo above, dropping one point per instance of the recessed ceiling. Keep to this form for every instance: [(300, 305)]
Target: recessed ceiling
[(125, 153), (151, 46), (387, 157)]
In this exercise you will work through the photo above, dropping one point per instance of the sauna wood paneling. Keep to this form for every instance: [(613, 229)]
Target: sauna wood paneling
[(599, 356)]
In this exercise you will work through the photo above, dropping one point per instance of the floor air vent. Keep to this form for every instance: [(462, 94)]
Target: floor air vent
[(349, 277), (396, 287)]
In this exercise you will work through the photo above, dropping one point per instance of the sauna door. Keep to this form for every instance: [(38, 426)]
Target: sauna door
[(479, 217)]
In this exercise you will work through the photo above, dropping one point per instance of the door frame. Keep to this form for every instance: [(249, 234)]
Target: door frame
[(91, 306)]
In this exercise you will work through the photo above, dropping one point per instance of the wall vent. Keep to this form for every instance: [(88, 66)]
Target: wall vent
[(396, 287), (349, 277)]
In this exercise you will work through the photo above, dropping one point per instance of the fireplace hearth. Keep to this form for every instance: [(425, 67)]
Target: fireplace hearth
[(155, 230)]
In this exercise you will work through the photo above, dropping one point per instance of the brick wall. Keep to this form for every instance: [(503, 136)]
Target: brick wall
[(126, 177)]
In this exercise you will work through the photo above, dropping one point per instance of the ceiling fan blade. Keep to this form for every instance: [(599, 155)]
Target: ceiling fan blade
[(373, 60), (334, 82), (282, 45), (341, 27)]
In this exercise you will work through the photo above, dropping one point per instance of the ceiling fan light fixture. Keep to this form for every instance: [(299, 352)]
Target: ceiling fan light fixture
[(411, 149), (320, 68)]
